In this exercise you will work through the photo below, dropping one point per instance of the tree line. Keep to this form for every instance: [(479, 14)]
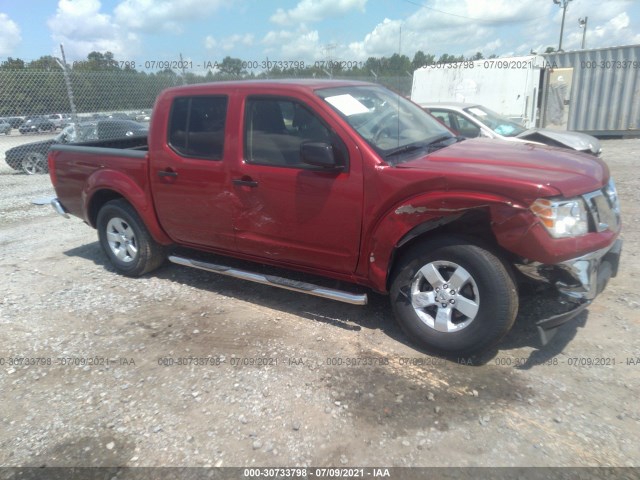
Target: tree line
[(102, 83)]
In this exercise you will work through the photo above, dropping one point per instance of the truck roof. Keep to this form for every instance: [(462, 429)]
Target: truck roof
[(284, 85)]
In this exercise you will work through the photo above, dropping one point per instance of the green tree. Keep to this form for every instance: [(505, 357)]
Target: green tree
[(47, 63), (97, 61), (232, 66), (420, 59), (12, 64)]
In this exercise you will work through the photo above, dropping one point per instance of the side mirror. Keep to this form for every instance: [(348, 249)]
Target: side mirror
[(319, 154)]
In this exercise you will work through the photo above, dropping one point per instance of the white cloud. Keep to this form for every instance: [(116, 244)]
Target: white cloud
[(229, 43), (383, 40), (308, 11), (82, 28), (608, 25), (210, 43), (294, 45), (465, 23), (9, 35), (616, 31), (167, 15)]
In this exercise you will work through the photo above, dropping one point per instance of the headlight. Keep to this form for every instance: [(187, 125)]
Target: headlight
[(562, 218)]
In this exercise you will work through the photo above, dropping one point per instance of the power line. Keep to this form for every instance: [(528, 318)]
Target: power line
[(466, 18)]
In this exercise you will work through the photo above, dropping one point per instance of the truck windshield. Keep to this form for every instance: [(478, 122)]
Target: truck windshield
[(392, 125), (496, 122)]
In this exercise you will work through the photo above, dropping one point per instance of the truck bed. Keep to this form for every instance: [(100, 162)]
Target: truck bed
[(121, 162)]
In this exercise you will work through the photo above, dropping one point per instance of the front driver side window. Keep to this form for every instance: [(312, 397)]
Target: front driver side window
[(276, 128)]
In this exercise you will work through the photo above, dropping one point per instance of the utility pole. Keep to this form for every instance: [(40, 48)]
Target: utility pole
[(328, 54), (583, 23), (563, 5)]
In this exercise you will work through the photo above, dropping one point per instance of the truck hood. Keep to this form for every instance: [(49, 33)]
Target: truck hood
[(522, 170), (575, 140)]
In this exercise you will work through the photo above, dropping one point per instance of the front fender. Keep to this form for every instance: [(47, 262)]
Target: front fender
[(106, 180), (419, 215)]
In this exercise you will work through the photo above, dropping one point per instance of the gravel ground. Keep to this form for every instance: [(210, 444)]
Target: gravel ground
[(277, 378)]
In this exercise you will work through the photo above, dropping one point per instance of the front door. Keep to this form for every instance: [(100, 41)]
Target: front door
[(289, 211)]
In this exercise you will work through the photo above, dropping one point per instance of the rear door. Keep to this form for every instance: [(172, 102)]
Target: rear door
[(189, 174), (292, 212)]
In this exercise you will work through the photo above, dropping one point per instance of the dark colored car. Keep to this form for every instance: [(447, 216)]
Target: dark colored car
[(32, 157), (15, 122), (37, 124), (5, 127)]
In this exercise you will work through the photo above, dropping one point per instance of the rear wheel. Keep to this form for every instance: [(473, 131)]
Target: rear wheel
[(34, 163), (453, 296), (126, 241)]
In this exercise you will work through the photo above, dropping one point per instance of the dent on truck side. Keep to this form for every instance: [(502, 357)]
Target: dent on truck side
[(420, 215), (108, 180)]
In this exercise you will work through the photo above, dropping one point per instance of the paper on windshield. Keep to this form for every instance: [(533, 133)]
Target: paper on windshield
[(477, 111), (347, 105)]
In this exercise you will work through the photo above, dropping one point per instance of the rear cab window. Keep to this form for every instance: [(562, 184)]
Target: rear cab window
[(197, 126)]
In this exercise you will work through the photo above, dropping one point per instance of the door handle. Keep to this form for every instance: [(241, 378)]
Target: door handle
[(245, 182), (167, 173)]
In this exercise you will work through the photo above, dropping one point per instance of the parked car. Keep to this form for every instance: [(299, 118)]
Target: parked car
[(37, 124), (143, 116), (15, 122), (349, 180), (60, 120), (470, 120), (5, 127), (32, 157)]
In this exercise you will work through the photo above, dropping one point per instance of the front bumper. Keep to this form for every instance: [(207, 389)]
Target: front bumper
[(579, 280), (591, 272)]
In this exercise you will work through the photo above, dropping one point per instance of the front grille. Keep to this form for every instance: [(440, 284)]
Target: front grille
[(604, 208)]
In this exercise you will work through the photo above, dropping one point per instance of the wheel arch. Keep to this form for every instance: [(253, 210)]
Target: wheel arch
[(99, 195), (472, 216), (473, 224)]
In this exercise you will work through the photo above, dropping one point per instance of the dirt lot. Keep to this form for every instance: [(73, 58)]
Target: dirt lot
[(278, 378)]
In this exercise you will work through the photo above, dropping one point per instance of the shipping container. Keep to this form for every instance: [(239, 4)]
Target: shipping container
[(601, 89)]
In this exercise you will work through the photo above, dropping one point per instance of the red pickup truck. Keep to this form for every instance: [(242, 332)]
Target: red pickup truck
[(350, 181)]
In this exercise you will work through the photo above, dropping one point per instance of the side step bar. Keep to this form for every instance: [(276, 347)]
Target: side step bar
[(287, 284)]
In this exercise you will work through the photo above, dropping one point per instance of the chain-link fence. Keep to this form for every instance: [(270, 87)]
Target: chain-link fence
[(39, 108)]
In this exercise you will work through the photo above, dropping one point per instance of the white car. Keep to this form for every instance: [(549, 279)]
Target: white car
[(471, 120), (60, 120)]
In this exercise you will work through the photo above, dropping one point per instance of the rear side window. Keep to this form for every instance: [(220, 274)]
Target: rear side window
[(196, 126)]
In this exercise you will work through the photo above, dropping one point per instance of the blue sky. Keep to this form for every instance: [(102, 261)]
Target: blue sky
[(350, 30)]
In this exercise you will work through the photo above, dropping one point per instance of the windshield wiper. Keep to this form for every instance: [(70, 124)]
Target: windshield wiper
[(406, 148), (433, 144), (438, 141)]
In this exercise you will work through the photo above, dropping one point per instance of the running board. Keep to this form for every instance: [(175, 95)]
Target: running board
[(287, 284)]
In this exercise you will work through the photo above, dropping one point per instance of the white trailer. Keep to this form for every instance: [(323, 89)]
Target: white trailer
[(510, 86)]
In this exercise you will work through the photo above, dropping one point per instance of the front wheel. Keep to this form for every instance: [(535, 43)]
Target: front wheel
[(126, 241), (34, 163), (453, 296)]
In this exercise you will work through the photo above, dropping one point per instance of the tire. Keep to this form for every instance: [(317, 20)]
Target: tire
[(475, 303), (34, 163), (126, 241)]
